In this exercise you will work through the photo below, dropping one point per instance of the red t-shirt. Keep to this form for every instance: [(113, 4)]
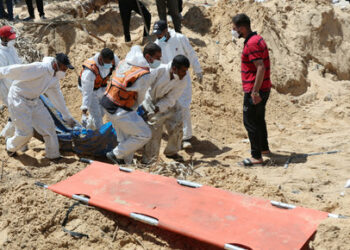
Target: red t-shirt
[(255, 48)]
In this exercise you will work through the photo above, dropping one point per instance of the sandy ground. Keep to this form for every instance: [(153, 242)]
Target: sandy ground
[(308, 111)]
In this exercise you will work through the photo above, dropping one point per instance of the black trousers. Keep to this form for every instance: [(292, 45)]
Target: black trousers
[(180, 6), (254, 122), (39, 5), (173, 9), (9, 6), (125, 9)]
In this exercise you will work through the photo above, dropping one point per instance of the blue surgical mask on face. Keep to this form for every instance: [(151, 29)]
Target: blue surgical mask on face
[(163, 39), (107, 65), (155, 64)]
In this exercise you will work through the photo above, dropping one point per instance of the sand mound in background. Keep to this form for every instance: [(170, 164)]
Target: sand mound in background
[(308, 112)]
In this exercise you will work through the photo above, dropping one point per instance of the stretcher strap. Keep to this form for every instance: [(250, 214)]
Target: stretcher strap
[(65, 221)]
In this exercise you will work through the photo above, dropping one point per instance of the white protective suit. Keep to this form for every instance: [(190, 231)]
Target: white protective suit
[(91, 97), (178, 44), (132, 131), (8, 56), (26, 109), (164, 94)]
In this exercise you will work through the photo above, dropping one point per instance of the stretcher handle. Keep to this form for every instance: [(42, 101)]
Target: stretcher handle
[(337, 216), (282, 205), (40, 184), (80, 198), (85, 160), (145, 219), (234, 247), (189, 184)]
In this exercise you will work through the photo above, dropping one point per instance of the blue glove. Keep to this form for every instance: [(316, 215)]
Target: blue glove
[(142, 112)]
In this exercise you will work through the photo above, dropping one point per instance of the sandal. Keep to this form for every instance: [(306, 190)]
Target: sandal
[(248, 163), (266, 153)]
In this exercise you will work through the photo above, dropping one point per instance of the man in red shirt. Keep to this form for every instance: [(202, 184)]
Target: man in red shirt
[(256, 83)]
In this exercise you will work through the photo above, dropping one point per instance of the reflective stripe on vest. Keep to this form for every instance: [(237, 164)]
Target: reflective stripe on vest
[(99, 81), (123, 78)]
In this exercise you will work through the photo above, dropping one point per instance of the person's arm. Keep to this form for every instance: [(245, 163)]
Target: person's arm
[(256, 55), (191, 54), (145, 82), (171, 97), (116, 60), (22, 71), (259, 78), (56, 97), (87, 89)]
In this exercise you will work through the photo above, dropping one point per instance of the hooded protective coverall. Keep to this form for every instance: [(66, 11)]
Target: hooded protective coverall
[(132, 131), (164, 94), (91, 97), (178, 44), (26, 109), (8, 56)]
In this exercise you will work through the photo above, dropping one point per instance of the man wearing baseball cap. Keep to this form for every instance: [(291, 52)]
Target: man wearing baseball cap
[(25, 108), (8, 56), (173, 44)]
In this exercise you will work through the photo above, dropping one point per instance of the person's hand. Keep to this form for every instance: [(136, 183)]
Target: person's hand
[(199, 77), (71, 122), (255, 98), (149, 106)]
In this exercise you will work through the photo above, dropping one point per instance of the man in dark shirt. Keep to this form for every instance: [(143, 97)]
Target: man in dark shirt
[(255, 71)]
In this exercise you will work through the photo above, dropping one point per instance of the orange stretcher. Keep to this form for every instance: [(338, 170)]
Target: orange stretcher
[(224, 219)]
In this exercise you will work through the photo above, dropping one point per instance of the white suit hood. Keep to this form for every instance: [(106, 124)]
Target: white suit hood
[(135, 57)]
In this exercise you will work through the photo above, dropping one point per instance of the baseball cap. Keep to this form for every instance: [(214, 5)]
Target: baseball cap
[(159, 27), (63, 58), (8, 32)]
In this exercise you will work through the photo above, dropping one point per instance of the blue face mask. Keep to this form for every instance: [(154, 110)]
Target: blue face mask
[(155, 64), (163, 39), (107, 65)]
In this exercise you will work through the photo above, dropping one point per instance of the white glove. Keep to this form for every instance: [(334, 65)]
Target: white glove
[(149, 106), (199, 77)]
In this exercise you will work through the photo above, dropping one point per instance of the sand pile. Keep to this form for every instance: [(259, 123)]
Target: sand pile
[(308, 112)]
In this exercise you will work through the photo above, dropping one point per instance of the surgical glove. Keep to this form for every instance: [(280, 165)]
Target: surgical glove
[(199, 77), (148, 106), (71, 122)]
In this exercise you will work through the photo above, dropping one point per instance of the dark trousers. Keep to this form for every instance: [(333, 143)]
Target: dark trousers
[(180, 6), (254, 122), (9, 6), (173, 8), (125, 9), (39, 5)]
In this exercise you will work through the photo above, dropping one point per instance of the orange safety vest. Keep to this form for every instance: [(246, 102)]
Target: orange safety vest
[(124, 77), (99, 81)]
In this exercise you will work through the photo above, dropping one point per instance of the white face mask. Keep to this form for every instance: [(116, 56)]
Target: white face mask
[(235, 35), (155, 64), (107, 65), (162, 39), (60, 74)]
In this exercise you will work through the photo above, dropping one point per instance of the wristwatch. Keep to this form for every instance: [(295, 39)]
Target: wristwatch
[(255, 94)]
